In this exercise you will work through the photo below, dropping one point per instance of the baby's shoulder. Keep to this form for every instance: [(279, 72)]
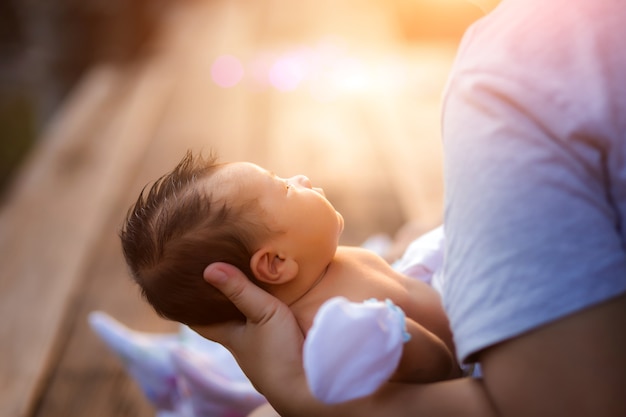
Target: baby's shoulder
[(360, 258), (358, 253)]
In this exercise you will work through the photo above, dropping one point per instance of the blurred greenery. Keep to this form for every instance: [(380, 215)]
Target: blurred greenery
[(17, 133), (45, 47)]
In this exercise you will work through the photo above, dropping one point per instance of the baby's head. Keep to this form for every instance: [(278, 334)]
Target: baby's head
[(272, 229)]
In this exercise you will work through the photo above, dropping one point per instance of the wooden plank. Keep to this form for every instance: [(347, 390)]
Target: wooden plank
[(55, 215), (25, 267), (87, 378)]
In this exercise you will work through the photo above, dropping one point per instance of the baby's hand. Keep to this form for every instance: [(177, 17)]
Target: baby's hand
[(353, 348)]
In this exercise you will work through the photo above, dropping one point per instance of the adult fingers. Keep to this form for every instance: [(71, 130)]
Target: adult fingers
[(270, 328), (231, 281), (256, 304)]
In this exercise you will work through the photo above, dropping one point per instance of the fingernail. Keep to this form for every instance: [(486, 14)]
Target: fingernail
[(215, 274)]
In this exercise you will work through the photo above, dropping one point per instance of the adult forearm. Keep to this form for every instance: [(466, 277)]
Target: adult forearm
[(575, 366), (459, 397)]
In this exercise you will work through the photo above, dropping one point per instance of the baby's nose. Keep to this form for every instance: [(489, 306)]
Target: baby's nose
[(303, 181)]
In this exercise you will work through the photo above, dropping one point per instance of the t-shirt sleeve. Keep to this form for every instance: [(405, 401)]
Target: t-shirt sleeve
[(533, 232)]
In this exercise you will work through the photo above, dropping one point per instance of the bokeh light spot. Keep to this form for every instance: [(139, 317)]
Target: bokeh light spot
[(226, 71), (287, 73)]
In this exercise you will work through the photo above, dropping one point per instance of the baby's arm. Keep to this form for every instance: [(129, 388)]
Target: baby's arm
[(425, 358)]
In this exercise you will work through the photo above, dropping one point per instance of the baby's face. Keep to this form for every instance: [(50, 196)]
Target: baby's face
[(292, 206)]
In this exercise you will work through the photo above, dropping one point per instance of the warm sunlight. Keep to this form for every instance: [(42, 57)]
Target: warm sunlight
[(430, 19), (121, 122), (105, 99)]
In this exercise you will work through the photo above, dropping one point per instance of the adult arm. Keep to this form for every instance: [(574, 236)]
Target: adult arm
[(528, 375)]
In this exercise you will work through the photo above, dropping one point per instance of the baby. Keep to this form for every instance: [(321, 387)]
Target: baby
[(283, 234)]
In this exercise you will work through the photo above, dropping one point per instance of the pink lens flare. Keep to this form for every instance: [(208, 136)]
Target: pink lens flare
[(227, 71)]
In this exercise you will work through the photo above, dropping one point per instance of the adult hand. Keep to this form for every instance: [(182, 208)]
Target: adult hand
[(268, 346)]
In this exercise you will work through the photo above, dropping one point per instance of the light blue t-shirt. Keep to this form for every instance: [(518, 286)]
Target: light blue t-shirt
[(534, 131)]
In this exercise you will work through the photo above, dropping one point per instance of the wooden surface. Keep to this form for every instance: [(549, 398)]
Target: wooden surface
[(372, 144)]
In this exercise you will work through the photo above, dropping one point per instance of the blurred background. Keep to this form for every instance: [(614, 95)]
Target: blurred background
[(100, 97)]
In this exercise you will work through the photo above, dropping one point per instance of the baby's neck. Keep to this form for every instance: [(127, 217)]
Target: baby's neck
[(306, 291), (296, 291)]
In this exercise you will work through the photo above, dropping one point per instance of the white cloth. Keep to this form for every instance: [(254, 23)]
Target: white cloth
[(534, 132), (181, 374), (423, 259), (352, 348)]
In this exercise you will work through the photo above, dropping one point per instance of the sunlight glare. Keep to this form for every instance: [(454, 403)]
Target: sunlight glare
[(288, 71)]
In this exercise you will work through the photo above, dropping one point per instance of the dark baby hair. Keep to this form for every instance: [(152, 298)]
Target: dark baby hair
[(175, 230)]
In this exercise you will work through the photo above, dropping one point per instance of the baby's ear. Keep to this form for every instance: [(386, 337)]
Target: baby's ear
[(270, 267)]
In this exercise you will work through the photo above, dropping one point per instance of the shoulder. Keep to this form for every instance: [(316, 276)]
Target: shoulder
[(556, 55), (350, 254)]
